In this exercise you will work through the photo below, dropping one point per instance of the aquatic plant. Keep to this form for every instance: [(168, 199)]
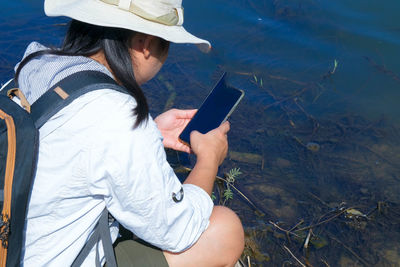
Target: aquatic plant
[(230, 177)]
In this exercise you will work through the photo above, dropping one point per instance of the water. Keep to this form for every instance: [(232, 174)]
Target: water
[(312, 138)]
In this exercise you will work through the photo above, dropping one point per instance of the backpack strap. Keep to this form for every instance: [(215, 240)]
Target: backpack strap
[(10, 90), (67, 90), (101, 232), (18, 160)]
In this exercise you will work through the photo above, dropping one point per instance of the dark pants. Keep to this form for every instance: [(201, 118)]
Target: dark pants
[(138, 253)]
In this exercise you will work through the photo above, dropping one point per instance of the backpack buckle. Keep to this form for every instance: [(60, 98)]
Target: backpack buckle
[(18, 93)]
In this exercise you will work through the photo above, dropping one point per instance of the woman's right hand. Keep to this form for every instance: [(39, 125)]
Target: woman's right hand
[(211, 147)]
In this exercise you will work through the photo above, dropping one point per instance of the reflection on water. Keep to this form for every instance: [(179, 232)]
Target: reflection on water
[(317, 136)]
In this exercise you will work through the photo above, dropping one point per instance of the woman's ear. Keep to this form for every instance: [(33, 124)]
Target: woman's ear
[(141, 44), (148, 45)]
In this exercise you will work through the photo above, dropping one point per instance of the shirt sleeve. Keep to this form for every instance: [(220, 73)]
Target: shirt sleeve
[(129, 168)]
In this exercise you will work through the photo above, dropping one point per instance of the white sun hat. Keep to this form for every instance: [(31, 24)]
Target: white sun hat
[(162, 18)]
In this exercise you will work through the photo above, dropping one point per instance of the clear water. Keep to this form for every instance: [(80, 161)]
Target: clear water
[(311, 137)]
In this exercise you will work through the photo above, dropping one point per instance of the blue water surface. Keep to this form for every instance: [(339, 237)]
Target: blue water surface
[(299, 39)]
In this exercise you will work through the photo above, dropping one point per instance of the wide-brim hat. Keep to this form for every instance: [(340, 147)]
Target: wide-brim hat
[(162, 18)]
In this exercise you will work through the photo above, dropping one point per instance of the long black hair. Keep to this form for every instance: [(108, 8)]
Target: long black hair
[(84, 39)]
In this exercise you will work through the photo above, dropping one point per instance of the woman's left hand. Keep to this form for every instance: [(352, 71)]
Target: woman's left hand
[(171, 123)]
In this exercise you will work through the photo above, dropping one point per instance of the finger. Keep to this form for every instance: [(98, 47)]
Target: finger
[(194, 134), (184, 148), (225, 127), (186, 113)]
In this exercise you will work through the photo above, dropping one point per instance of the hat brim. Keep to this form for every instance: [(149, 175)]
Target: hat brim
[(99, 13)]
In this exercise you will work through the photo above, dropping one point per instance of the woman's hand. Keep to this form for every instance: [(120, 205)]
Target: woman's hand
[(211, 147), (171, 123)]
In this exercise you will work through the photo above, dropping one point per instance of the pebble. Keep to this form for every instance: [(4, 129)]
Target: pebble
[(314, 147)]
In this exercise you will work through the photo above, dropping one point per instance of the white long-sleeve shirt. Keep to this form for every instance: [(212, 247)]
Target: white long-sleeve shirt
[(91, 157)]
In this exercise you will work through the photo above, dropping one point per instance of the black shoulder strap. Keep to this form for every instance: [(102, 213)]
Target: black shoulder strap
[(67, 90)]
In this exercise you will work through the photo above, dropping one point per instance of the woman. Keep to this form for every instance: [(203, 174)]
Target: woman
[(105, 150)]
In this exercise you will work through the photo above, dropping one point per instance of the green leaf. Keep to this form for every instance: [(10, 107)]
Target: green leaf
[(228, 194), (232, 175), (335, 64)]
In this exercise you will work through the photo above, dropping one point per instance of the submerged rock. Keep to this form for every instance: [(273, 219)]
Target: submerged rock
[(282, 163), (312, 146)]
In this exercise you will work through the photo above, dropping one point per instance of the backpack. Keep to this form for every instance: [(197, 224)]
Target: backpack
[(19, 143)]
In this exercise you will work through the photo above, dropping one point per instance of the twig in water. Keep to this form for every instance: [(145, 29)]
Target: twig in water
[(299, 92), (286, 79), (382, 157), (349, 249), (287, 232), (243, 195), (288, 250), (297, 225), (309, 116), (324, 261), (383, 69), (186, 169), (320, 200), (325, 221), (307, 239)]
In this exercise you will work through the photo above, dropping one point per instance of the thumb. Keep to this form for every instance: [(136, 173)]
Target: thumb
[(193, 134), (186, 113), (225, 127)]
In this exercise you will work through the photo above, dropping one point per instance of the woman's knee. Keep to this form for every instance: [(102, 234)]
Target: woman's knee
[(220, 245), (227, 219), (226, 226)]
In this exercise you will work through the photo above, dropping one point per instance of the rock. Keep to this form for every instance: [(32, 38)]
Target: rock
[(364, 190), (313, 147), (282, 163)]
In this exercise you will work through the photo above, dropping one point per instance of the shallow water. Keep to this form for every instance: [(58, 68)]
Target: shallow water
[(312, 138)]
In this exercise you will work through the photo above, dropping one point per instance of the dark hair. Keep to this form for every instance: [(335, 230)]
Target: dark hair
[(84, 39)]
